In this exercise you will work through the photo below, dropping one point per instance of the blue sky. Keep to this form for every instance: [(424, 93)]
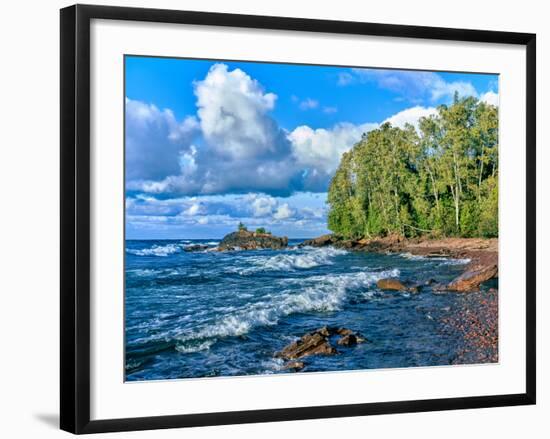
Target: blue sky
[(212, 143)]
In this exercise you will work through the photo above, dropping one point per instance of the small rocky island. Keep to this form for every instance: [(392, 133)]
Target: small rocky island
[(243, 239)]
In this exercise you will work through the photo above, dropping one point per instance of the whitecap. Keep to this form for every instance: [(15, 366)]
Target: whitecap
[(292, 261), (443, 260), (194, 347), (323, 293), (156, 250)]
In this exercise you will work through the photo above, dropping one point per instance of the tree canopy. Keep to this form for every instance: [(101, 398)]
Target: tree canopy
[(441, 180)]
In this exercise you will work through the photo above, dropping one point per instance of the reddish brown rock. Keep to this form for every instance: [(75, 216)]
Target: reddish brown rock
[(393, 284), (348, 340), (310, 344), (343, 331), (472, 278), (294, 365), (318, 343)]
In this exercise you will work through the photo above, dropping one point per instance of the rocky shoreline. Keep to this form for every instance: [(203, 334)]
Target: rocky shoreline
[(482, 253), (477, 323)]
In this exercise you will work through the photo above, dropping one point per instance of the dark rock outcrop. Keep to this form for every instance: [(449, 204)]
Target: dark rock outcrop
[(318, 343), (320, 241), (314, 343), (246, 240)]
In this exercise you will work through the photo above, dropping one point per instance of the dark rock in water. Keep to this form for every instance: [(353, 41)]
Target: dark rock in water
[(310, 344), (294, 365), (320, 241), (394, 284), (348, 340), (325, 331), (472, 278), (195, 248), (246, 240), (344, 331), (318, 343)]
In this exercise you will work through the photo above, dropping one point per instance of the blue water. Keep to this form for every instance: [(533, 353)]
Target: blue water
[(218, 314)]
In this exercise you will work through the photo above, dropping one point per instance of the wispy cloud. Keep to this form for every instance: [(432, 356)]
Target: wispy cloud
[(413, 86), (308, 104), (345, 78), (330, 110)]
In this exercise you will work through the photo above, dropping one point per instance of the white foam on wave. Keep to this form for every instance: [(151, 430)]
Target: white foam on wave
[(323, 293), (188, 349), (156, 250), (292, 260), (444, 260)]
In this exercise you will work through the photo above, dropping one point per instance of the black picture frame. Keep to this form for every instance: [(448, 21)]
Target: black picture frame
[(75, 217)]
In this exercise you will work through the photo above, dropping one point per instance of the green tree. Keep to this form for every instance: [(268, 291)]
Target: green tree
[(441, 180)]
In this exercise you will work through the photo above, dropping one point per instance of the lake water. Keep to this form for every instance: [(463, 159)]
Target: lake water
[(201, 314)]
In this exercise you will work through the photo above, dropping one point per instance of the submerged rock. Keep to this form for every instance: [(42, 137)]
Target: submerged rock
[(394, 284), (195, 248), (294, 365), (246, 240), (348, 340)]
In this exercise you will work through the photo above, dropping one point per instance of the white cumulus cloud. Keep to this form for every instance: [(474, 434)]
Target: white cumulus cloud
[(154, 140), (321, 148), (283, 212), (232, 109), (490, 98), (410, 116)]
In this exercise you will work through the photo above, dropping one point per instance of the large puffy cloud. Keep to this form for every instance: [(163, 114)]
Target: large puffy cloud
[(155, 140), (233, 112), (233, 145), (240, 149), (319, 150)]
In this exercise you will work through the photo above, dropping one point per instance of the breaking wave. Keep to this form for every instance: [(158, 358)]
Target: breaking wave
[(156, 250), (324, 293), (290, 260), (443, 260)]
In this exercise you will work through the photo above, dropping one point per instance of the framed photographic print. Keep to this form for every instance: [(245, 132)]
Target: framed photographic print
[(268, 218)]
